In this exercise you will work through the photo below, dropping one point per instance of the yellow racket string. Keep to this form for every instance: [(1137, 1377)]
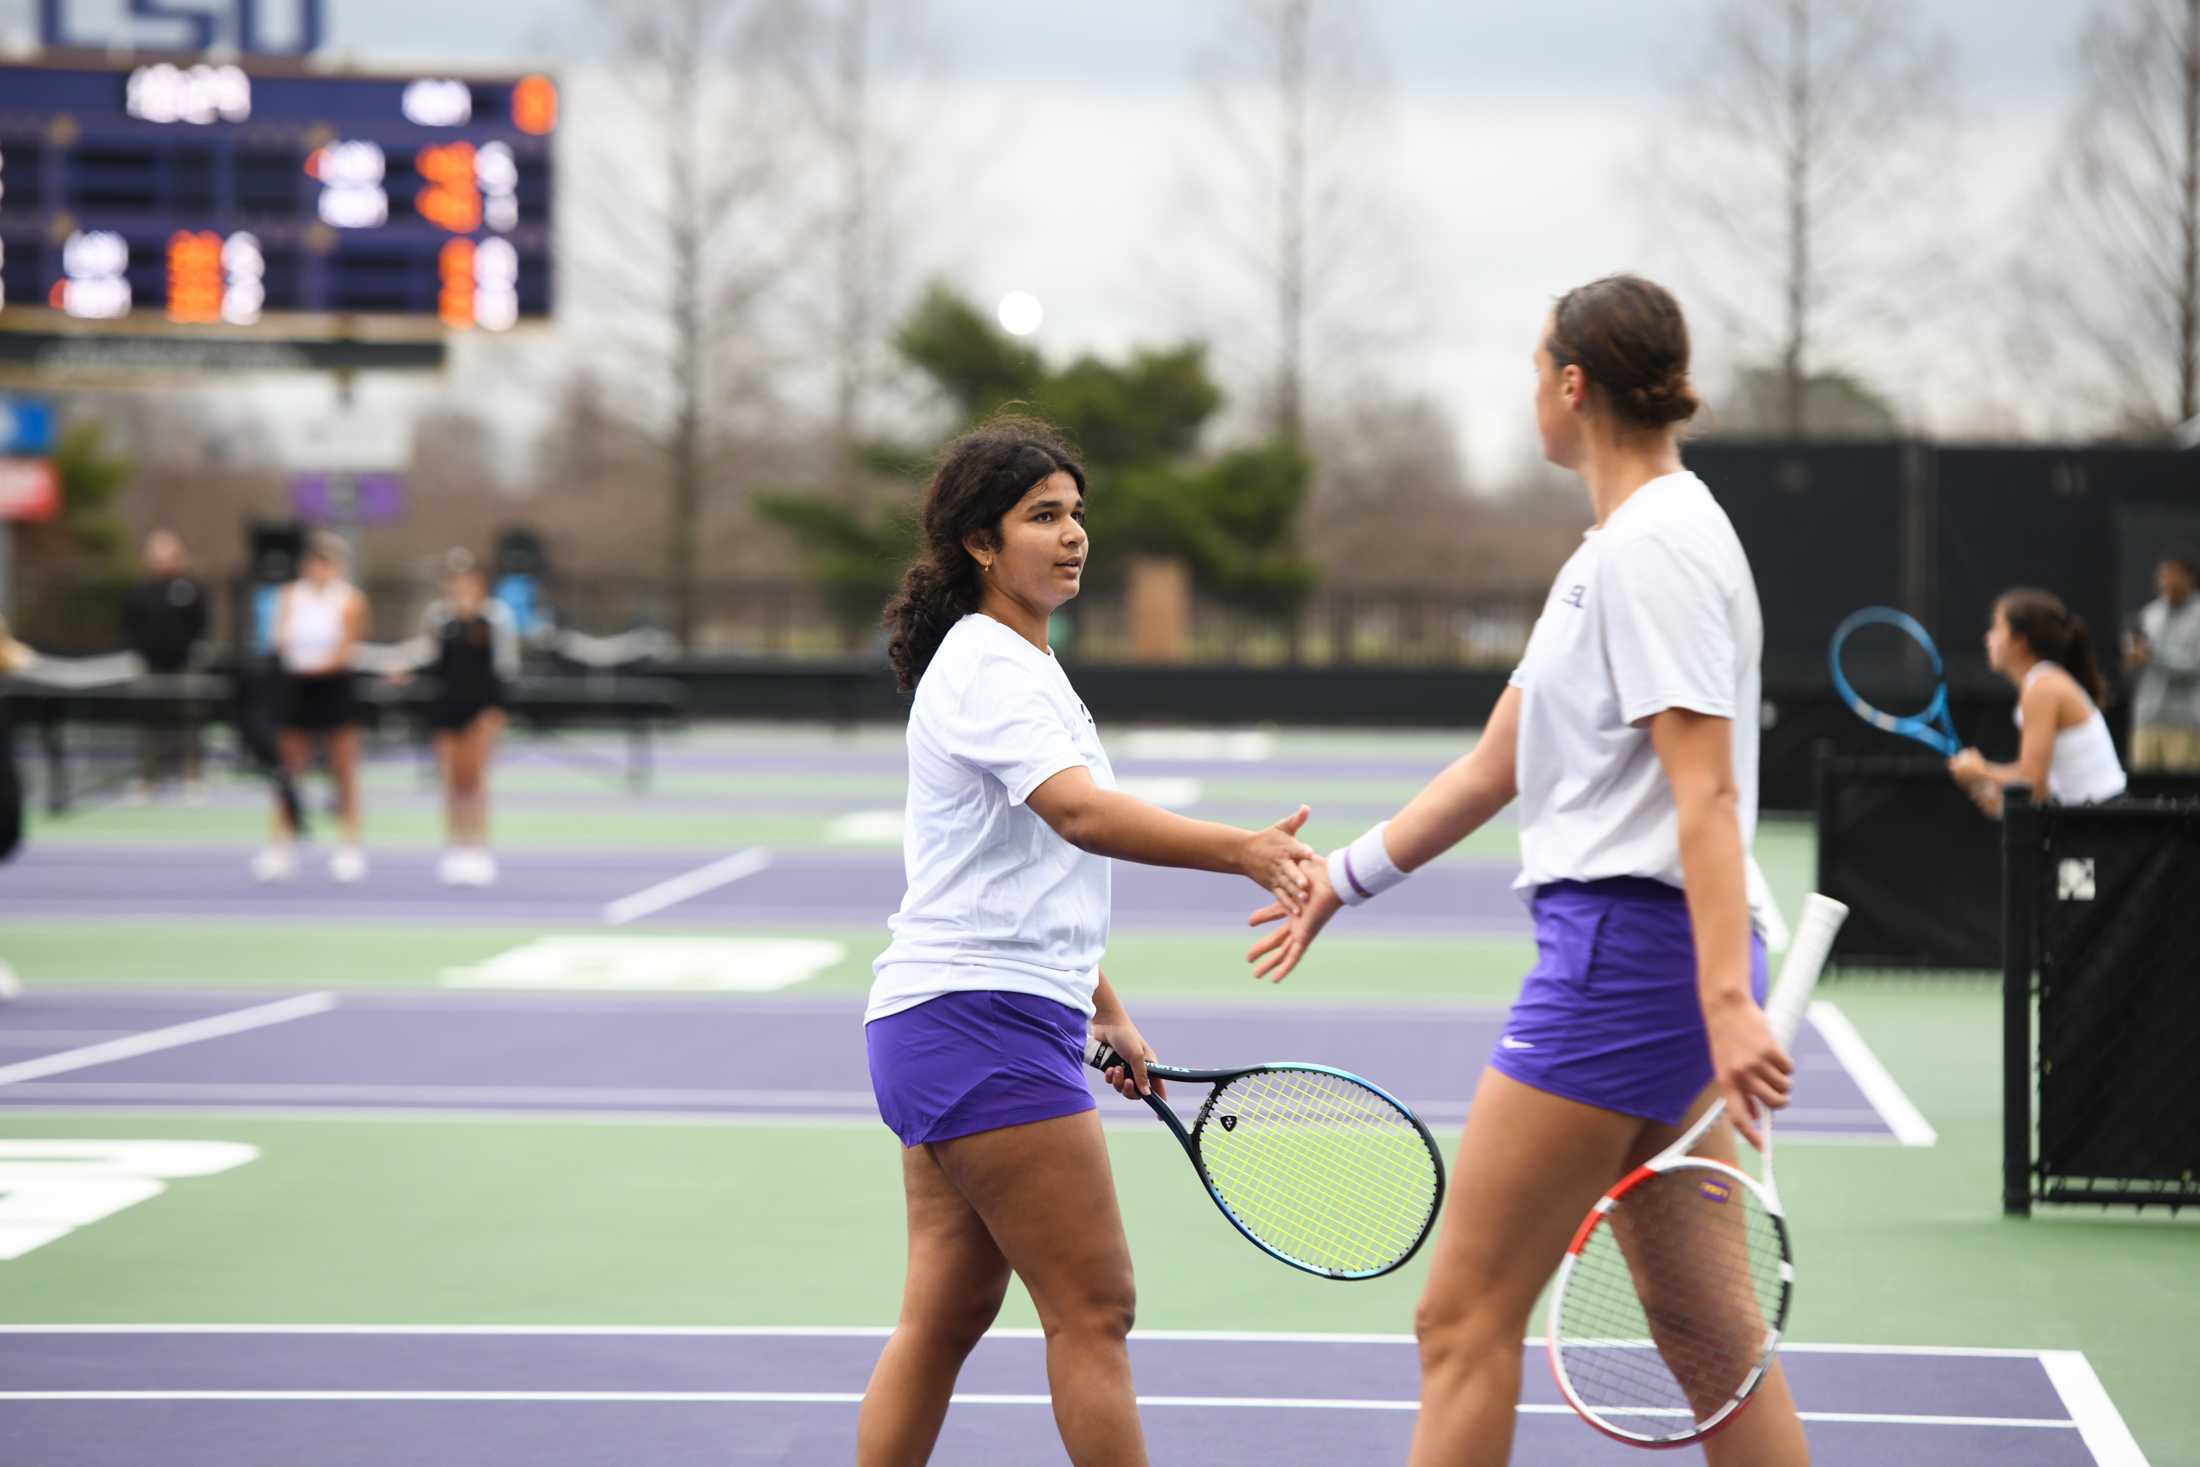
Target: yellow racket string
[(1321, 1168)]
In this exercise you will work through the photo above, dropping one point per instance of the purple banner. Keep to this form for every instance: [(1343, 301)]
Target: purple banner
[(342, 498)]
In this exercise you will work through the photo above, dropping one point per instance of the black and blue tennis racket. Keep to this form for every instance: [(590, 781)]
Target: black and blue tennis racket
[(1931, 726), (1317, 1167)]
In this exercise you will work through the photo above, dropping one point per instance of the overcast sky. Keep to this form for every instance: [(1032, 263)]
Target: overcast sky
[(2012, 48), (1506, 134)]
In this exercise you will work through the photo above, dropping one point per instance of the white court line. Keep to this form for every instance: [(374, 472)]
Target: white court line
[(175, 1035), (723, 872), (725, 1120), (851, 1398), (485, 1095), (1125, 1123), (489, 1100), (2100, 1424), (1881, 1088), (1864, 1127), (35, 1038), (881, 1331)]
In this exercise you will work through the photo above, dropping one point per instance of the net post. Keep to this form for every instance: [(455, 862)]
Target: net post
[(2020, 851), (52, 742), (1821, 792)]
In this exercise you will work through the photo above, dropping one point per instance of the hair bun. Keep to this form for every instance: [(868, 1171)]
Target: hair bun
[(1670, 401)]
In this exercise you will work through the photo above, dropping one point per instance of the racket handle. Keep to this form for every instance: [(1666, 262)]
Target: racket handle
[(1099, 1055), (1806, 958)]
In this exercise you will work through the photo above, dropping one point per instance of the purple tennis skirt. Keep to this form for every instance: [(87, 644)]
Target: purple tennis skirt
[(968, 1062), (1609, 1015)]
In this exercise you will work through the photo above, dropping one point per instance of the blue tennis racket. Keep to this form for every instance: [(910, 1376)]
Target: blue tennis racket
[(1930, 727)]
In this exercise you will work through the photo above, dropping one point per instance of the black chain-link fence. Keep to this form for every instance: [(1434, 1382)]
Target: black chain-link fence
[(2102, 922), (1917, 864)]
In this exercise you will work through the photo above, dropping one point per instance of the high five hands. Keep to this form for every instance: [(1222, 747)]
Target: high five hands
[(1278, 952), (1279, 862)]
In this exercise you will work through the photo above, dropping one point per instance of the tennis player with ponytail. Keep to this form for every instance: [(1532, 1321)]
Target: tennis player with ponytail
[(2066, 754), (981, 1007), (1629, 738)]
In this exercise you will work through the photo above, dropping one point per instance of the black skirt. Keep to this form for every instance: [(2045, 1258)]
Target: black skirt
[(319, 704), (454, 713), (11, 788)]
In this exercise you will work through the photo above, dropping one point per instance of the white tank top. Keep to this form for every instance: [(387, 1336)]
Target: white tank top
[(2084, 769), (314, 624)]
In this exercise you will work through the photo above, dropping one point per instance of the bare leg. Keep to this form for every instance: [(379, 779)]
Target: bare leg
[(447, 759), (953, 1289), (1767, 1433), (1047, 1196), (477, 744), (1530, 1166), (343, 761), (296, 749)]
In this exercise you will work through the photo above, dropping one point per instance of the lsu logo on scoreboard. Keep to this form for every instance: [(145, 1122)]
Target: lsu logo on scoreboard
[(263, 27)]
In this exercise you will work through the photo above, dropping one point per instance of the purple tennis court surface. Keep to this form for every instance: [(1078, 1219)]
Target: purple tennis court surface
[(722, 1056), (843, 886), (228, 1396)]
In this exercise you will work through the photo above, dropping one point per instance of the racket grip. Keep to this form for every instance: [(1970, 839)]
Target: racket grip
[(1821, 918), (1099, 1055)]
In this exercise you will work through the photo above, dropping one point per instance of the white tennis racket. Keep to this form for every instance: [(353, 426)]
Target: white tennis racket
[(1674, 1293)]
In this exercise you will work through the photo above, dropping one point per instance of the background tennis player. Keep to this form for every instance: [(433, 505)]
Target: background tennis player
[(469, 646), (2066, 754), (319, 621)]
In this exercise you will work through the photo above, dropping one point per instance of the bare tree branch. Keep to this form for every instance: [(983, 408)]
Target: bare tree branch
[(1804, 174), (685, 239), (2121, 271), (1289, 201)]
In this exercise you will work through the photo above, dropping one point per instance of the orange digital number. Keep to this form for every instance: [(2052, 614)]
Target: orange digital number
[(194, 277), (455, 305), (535, 105), (452, 199)]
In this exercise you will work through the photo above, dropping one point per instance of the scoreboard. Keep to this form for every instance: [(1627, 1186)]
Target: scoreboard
[(190, 196)]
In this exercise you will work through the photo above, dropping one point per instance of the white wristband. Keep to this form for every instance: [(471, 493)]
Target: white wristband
[(1364, 869)]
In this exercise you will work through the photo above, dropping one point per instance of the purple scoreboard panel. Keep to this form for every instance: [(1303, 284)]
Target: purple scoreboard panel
[(185, 196)]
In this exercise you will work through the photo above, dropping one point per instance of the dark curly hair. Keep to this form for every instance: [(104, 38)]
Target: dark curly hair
[(1629, 338), (980, 478)]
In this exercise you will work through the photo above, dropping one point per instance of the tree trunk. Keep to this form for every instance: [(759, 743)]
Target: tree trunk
[(684, 210), (1794, 377), (851, 136), (2188, 219), (1291, 85)]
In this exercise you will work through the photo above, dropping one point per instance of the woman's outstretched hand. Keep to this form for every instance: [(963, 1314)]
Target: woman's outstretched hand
[(1277, 861), (1278, 952)]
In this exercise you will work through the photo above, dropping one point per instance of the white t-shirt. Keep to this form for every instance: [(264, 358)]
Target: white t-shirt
[(313, 624), (996, 900), (1656, 610)]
